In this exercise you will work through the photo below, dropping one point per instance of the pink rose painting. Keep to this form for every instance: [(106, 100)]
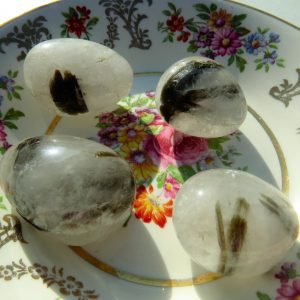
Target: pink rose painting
[(173, 147), (289, 292), (161, 158)]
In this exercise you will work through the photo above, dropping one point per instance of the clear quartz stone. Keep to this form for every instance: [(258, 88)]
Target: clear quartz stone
[(73, 188), (234, 223), (199, 97), (75, 76)]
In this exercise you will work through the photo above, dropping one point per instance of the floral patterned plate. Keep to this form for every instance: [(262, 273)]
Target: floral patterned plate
[(144, 259)]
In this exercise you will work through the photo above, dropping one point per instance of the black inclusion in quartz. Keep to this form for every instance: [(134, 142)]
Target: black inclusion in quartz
[(26, 152), (173, 97), (66, 93)]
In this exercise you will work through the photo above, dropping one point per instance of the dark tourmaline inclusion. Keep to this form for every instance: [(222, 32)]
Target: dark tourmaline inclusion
[(26, 152), (66, 93), (280, 212), (231, 243), (221, 238), (105, 154), (173, 99)]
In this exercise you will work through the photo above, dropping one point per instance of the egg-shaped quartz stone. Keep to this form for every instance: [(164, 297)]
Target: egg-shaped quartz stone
[(234, 223), (75, 76), (78, 190), (199, 97)]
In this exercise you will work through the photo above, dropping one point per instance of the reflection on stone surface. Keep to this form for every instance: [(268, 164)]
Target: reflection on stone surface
[(234, 223), (73, 76), (68, 186), (200, 97)]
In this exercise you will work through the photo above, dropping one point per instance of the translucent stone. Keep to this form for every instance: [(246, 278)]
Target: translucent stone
[(234, 223), (199, 97), (75, 189), (75, 76)]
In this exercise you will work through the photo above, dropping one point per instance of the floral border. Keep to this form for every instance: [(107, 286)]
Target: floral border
[(12, 231), (68, 285), (26, 36), (78, 22), (11, 91), (289, 279), (127, 12), (217, 32)]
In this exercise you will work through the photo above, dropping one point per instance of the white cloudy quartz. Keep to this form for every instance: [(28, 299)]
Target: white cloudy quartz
[(234, 223), (76, 189), (75, 76), (199, 97)]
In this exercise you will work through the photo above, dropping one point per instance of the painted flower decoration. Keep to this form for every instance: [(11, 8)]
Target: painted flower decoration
[(7, 83), (123, 5), (107, 118), (219, 19), (289, 292), (209, 53), (218, 32), (150, 117), (184, 36), (78, 22), (274, 37), (270, 54), (124, 119), (150, 94), (203, 37), (160, 157), (171, 187), (70, 286), (148, 207), (270, 58), (84, 12), (255, 43), (175, 23), (38, 271), (208, 161), (108, 136), (226, 42), (76, 25), (3, 136), (173, 147), (288, 270), (7, 273), (142, 165), (132, 135)]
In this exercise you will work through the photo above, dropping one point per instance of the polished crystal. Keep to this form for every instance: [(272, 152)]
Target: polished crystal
[(73, 188), (199, 97), (75, 76), (234, 223)]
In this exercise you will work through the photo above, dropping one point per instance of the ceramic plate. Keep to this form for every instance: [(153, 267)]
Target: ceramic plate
[(144, 260)]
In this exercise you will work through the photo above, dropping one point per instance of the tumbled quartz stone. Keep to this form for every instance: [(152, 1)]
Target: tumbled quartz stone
[(234, 223), (74, 76), (199, 97), (76, 189)]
